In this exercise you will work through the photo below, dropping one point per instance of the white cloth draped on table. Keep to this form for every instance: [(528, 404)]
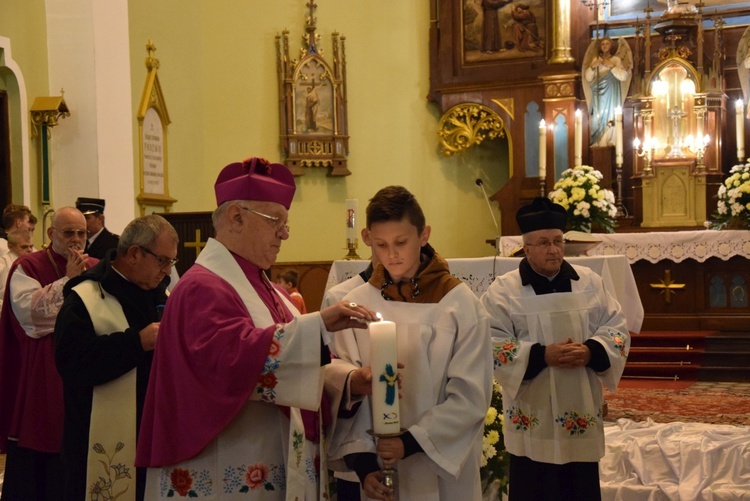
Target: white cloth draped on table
[(674, 246)]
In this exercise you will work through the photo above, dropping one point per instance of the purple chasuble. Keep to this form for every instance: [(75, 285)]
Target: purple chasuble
[(206, 365), (31, 395)]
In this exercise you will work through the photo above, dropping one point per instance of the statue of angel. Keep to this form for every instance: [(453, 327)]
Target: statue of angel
[(607, 71), (743, 66)]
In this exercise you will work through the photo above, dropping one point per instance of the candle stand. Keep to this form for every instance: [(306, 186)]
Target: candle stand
[(391, 474), (351, 244), (622, 211)]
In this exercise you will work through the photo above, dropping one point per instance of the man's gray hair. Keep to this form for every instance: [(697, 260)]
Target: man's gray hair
[(218, 215), (144, 231)]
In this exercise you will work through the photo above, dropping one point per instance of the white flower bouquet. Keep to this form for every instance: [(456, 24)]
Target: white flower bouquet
[(495, 459), (587, 203), (733, 205)]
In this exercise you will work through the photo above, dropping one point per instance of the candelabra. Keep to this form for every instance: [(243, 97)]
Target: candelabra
[(645, 151), (699, 148)]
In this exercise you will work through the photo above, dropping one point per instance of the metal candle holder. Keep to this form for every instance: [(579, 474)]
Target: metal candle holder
[(351, 244), (390, 474)]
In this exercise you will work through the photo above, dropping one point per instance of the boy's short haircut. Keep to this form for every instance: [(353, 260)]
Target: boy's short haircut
[(12, 213), (393, 203), (290, 276)]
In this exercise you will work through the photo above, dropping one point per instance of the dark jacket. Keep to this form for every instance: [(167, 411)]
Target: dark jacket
[(85, 360), (104, 242)]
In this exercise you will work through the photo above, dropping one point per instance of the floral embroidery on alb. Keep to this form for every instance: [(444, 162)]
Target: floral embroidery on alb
[(576, 424), (506, 353), (257, 476), (521, 420), (185, 483), (267, 380)]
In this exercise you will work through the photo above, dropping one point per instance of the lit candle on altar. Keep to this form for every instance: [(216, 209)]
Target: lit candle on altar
[(386, 418), (578, 139), (740, 116), (618, 135), (351, 219), (542, 149)]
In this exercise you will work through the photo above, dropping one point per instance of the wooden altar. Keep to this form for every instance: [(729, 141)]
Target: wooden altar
[(687, 280)]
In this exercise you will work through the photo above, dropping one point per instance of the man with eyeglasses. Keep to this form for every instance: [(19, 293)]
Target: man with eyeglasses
[(31, 396), (104, 340), (558, 337), (233, 402)]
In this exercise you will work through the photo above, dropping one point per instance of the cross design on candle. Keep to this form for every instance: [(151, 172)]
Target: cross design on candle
[(389, 377)]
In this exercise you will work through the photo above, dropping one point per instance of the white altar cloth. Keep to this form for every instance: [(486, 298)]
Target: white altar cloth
[(477, 273), (647, 461), (657, 246)]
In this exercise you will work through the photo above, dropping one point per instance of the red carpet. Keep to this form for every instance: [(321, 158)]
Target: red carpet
[(696, 403)]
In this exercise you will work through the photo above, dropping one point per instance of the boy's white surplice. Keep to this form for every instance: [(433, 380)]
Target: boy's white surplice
[(446, 390)]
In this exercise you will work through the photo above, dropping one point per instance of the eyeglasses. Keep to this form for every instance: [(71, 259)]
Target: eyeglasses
[(73, 233), (546, 244), (274, 221), (165, 262)]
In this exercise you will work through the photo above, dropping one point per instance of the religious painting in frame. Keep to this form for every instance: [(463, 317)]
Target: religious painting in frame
[(502, 30), (313, 98)]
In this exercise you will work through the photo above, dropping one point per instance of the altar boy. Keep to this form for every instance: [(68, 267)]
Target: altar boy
[(444, 345)]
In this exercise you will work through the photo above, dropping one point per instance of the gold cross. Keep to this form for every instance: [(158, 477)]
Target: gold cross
[(667, 286), (198, 244)]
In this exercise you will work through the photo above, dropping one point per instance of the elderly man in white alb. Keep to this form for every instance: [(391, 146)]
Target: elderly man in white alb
[(558, 337)]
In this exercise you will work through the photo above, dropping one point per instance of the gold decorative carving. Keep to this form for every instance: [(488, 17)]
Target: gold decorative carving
[(508, 104), (153, 120), (466, 125), (312, 94)]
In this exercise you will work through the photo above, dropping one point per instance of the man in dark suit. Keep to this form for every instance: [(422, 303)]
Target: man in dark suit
[(100, 239)]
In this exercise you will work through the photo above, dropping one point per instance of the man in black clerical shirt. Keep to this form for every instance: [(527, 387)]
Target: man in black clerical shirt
[(100, 239), (104, 340)]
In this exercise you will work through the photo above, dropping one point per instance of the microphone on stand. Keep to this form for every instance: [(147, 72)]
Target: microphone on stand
[(480, 183)]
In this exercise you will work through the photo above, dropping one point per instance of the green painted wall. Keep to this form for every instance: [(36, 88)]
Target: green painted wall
[(218, 74)]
